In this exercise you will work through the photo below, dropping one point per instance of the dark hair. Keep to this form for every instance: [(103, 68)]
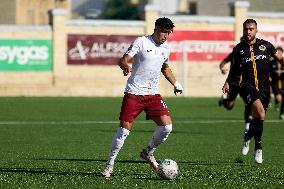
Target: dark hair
[(164, 23), (280, 49), (250, 21)]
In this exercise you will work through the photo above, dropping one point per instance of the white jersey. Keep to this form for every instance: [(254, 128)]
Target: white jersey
[(146, 67)]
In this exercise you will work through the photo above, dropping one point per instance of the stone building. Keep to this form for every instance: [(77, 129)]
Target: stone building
[(29, 12)]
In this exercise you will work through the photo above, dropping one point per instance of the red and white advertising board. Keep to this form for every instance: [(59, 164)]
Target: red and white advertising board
[(97, 49), (201, 46)]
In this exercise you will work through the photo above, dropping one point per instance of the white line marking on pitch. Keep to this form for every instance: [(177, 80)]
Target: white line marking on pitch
[(116, 122)]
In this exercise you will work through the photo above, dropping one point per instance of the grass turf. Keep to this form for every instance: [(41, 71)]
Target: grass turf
[(64, 143)]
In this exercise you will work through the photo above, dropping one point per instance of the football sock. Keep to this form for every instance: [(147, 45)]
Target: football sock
[(160, 135), (251, 131), (247, 114), (258, 133), (117, 143), (247, 117)]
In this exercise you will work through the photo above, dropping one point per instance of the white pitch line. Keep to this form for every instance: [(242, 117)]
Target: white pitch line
[(116, 122)]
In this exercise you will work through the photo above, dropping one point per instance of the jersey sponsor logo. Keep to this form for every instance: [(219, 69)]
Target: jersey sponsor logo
[(262, 47), (256, 57), (149, 50)]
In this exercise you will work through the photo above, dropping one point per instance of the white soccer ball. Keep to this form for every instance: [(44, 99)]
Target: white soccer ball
[(168, 169)]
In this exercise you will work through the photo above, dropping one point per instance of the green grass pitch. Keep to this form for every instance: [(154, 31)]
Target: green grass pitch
[(64, 143)]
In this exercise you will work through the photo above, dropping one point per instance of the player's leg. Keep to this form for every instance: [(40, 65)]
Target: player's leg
[(228, 101), (248, 134), (117, 143), (160, 135), (247, 117), (258, 112), (277, 102), (129, 110), (157, 110), (277, 95), (281, 116)]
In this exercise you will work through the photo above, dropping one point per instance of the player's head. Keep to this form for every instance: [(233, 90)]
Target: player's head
[(279, 50), (163, 27), (249, 30)]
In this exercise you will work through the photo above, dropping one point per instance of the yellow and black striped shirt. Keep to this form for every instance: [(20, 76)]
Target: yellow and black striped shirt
[(251, 62)]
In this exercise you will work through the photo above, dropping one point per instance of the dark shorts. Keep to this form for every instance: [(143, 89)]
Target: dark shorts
[(133, 105), (276, 90), (249, 96), (233, 92)]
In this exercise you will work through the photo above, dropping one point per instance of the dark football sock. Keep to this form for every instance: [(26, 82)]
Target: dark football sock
[(258, 133), (247, 114), (251, 131)]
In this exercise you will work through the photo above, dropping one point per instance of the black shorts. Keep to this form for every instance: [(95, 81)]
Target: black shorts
[(233, 92), (249, 96), (276, 90)]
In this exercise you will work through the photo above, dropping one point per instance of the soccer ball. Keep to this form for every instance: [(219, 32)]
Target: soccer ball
[(168, 169)]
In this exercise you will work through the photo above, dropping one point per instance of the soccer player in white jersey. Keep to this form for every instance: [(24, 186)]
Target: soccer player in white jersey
[(149, 56)]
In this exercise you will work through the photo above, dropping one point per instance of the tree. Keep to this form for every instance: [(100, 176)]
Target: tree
[(120, 10)]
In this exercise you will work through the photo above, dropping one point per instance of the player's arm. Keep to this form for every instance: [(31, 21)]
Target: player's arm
[(128, 57), (222, 67), (167, 72), (124, 64), (278, 56), (224, 62), (225, 87), (234, 72)]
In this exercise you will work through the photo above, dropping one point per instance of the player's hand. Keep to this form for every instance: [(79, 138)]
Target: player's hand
[(127, 70), (178, 88), (224, 71), (226, 88)]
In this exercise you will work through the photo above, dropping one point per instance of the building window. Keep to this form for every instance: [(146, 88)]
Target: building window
[(192, 8)]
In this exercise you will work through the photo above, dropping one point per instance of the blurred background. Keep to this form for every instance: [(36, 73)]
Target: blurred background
[(72, 47)]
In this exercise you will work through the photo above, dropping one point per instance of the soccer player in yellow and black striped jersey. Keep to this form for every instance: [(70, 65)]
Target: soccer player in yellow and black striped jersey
[(251, 60), (228, 100), (277, 83)]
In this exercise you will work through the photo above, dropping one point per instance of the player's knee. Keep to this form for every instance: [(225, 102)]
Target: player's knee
[(278, 98), (260, 114), (168, 128), (126, 125)]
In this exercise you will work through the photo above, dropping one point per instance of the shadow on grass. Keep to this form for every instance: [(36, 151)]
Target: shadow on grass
[(87, 160), (45, 171), (206, 163), (214, 163)]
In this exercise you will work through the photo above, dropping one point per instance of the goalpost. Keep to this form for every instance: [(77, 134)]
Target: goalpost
[(185, 50)]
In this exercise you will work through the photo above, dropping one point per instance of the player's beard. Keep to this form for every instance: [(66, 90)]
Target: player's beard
[(249, 38)]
